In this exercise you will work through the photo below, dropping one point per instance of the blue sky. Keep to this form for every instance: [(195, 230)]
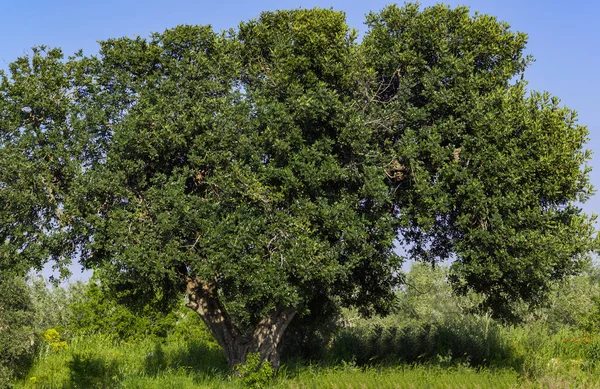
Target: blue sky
[(564, 37)]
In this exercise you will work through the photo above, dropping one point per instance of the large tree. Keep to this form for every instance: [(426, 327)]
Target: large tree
[(270, 169)]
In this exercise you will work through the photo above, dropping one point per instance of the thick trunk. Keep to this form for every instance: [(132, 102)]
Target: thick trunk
[(265, 339)]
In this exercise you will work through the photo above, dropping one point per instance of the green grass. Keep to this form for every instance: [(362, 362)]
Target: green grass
[(404, 376), (99, 362), (428, 342), (566, 359), (456, 351)]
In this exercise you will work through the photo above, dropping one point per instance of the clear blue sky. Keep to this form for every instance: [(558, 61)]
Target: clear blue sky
[(564, 37)]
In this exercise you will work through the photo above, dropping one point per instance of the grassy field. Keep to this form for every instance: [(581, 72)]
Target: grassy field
[(430, 341), (557, 361), (99, 363)]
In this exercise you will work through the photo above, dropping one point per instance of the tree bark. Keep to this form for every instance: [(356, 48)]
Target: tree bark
[(265, 338)]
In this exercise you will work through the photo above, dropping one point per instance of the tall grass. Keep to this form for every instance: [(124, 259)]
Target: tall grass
[(429, 342), (97, 362), (403, 376), (533, 358), (556, 346), (101, 362), (469, 340)]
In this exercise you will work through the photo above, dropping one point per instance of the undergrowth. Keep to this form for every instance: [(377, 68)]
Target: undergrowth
[(432, 340)]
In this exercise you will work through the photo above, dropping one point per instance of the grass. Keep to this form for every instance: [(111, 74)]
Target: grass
[(403, 377), (430, 342), (566, 359), (100, 363)]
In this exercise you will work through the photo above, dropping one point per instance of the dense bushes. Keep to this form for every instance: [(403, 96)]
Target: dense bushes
[(86, 309), (574, 303), (431, 324), (16, 332), (98, 311)]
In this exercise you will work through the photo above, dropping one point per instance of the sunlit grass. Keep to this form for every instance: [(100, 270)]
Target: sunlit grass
[(98, 361), (409, 377), (528, 356), (537, 358)]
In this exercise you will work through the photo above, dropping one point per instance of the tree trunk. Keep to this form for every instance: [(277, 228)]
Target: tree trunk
[(265, 339)]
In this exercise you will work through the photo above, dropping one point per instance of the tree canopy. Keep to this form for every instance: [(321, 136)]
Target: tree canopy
[(485, 172), (261, 169)]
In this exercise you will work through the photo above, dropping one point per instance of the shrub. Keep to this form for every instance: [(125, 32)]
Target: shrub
[(430, 324), (96, 310), (53, 339), (52, 304), (16, 332), (253, 373)]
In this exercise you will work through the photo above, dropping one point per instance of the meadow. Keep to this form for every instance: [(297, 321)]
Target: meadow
[(433, 339)]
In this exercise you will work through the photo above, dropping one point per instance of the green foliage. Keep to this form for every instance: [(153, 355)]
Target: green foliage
[(88, 308), (430, 324), (430, 330), (312, 330), (40, 154), (278, 163), (235, 179), (482, 172), (53, 305), (189, 327), (16, 330), (126, 364), (451, 342), (583, 297), (87, 371), (136, 365), (402, 377), (433, 326), (254, 373), (100, 361), (572, 303), (98, 310)]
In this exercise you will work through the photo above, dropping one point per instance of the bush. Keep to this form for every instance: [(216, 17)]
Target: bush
[(16, 332), (97, 311), (572, 303), (253, 373), (53, 340), (89, 308), (52, 304), (430, 324)]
